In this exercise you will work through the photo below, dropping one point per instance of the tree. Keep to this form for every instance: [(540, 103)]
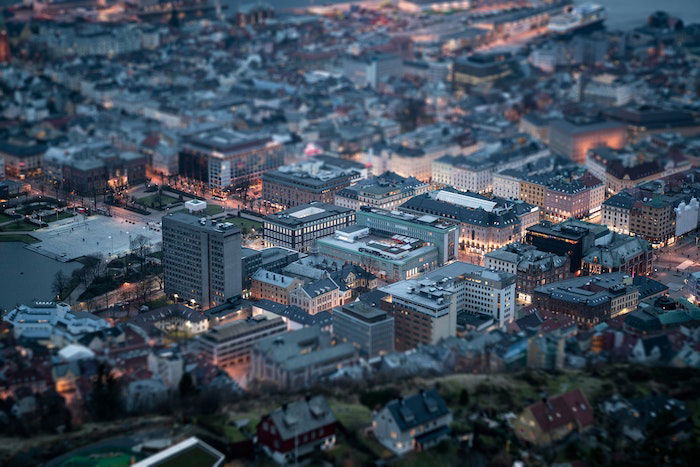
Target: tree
[(54, 415), (186, 386), (411, 113), (99, 265), (105, 398), (85, 275), (60, 284), (174, 19), (463, 397), (140, 246), (142, 289)]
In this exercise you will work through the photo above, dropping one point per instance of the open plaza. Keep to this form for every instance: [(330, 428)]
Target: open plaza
[(89, 235)]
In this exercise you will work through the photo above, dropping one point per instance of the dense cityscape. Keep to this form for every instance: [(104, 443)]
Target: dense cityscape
[(406, 232)]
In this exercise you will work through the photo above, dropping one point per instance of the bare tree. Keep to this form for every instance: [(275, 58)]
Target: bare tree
[(85, 275), (140, 247), (60, 284), (142, 290), (160, 280), (99, 267)]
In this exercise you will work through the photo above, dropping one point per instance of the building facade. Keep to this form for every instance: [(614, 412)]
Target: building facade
[(620, 253), (228, 346), (298, 228), (313, 180), (317, 296), (423, 313), (222, 158), (444, 235), (574, 138), (298, 359), (201, 259), (485, 224), (367, 327), (589, 300), (386, 191), (22, 159), (390, 258), (532, 267), (413, 423), (293, 432), (268, 285)]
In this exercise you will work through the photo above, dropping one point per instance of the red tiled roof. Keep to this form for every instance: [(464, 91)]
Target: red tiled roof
[(554, 321), (151, 140), (570, 407)]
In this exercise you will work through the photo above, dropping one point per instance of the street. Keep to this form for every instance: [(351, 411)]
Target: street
[(673, 264)]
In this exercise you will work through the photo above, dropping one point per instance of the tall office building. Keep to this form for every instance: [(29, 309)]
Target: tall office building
[(424, 312), (367, 327), (298, 228), (223, 157), (201, 259), (428, 309)]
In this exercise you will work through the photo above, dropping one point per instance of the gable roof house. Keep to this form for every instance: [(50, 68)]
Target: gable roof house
[(296, 430), (320, 295), (411, 423), (552, 419), (653, 350)]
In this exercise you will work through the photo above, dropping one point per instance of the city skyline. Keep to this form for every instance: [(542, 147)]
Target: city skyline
[(417, 232)]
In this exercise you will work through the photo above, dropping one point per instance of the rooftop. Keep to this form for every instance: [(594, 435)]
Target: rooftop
[(239, 328), (417, 409), (200, 223), (302, 417), (303, 348), (273, 278), (315, 171), (224, 142), (396, 248), (306, 213), (590, 290), (364, 312), (404, 217)]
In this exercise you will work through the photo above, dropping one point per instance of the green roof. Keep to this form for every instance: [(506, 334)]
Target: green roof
[(195, 456), (673, 317)]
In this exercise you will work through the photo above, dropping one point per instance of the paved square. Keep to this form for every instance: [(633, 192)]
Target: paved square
[(83, 236)]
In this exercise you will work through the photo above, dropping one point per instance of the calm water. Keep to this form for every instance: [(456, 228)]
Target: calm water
[(26, 276), (622, 14)]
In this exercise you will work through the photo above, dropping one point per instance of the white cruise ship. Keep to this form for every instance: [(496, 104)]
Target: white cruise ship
[(587, 15)]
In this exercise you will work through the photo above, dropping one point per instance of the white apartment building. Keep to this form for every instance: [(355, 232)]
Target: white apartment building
[(480, 291), (476, 171), (506, 185), (425, 310), (54, 321)]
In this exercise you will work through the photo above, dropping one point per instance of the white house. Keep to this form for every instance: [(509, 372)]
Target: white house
[(413, 423)]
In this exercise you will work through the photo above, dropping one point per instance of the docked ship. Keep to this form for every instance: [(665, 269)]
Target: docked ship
[(577, 18)]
